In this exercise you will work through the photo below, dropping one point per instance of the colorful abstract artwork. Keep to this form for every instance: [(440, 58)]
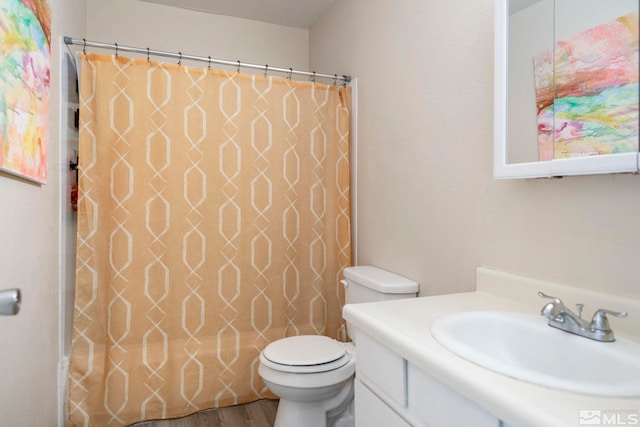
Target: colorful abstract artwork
[(587, 92), (25, 36)]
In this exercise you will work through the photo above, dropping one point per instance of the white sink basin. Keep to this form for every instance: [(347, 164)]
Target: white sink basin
[(523, 346)]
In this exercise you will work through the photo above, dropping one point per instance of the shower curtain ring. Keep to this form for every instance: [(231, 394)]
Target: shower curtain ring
[(84, 46), (335, 80), (116, 49), (209, 64), (290, 75), (148, 60), (238, 70), (266, 69), (313, 78), (180, 58)]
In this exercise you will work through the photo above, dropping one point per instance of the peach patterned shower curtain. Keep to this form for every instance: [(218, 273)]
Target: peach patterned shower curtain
[(213, 219)]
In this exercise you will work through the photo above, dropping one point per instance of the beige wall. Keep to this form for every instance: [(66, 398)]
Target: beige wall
[(141, 24), (30, 259), (428, 205)]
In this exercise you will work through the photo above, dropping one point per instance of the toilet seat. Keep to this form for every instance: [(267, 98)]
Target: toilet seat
[(305, 354)]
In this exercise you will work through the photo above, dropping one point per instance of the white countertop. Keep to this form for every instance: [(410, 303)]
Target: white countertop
[(404, 327)]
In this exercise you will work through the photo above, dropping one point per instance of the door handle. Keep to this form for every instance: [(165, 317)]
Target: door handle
[(10, 302)]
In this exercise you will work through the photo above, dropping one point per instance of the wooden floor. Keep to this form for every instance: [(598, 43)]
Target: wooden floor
[(256, 414)]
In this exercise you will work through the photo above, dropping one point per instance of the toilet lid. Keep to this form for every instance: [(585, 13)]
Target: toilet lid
[(304, 350)]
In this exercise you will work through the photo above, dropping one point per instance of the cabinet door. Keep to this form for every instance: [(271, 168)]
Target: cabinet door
[(383, 368), (435, 404), (373, 412)]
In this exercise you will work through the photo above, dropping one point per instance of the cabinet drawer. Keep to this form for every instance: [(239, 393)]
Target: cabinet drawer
[(437, 405), (382, 368), (370, 411)]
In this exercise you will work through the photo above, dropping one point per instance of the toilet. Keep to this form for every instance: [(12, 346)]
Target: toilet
[(313, 374)]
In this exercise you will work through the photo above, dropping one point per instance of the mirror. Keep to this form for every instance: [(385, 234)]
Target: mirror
[(566, 87)]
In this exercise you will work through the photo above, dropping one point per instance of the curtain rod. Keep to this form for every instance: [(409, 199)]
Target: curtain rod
[(180, 56)]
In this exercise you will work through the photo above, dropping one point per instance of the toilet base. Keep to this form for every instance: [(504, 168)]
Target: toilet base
[(343, 417), (335, 412)]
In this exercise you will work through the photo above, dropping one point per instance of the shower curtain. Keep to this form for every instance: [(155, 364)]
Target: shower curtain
[(213, 218)]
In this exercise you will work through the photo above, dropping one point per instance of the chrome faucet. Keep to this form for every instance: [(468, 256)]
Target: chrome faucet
[(562, 318)]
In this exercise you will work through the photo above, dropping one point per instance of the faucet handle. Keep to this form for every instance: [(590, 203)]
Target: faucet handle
[(601, 322), (552, 310), (555, 299)]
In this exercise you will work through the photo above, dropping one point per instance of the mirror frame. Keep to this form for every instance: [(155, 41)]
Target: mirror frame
[(602, 164)]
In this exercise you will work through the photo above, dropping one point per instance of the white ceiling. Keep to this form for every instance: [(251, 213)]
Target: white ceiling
[(291, 13)]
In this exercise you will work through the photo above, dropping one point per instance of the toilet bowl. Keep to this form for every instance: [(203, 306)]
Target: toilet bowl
[(313, 374)]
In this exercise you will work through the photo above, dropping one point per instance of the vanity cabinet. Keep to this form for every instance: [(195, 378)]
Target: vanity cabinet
[(391, 392), (372, 411), (406, 376)]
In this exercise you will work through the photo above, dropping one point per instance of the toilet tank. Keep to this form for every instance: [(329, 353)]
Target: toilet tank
[(370, 284)]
